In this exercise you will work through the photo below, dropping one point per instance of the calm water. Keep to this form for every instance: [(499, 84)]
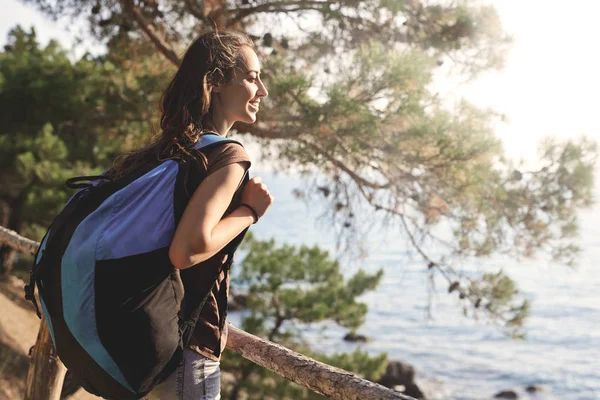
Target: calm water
[(457, 358)]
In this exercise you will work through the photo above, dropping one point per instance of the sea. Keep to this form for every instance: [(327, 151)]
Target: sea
[(419, 323)]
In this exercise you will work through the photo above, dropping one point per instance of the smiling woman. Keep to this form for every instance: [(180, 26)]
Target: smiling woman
[(217, 84), (165, 221)]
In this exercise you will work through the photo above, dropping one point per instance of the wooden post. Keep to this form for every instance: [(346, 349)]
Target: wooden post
[(46, 372)]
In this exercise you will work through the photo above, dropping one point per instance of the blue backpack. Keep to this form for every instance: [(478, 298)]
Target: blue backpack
[(110, 295)]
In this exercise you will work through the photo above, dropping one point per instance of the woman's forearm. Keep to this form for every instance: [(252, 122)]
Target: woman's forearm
[(224, 232)]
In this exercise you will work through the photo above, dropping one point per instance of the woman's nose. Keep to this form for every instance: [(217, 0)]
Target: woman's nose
[(262, 90)]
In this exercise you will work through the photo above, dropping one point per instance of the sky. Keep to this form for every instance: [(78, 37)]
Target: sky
[(551, 81), (549, 85)]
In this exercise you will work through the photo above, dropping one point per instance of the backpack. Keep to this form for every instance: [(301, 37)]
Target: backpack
[(110, 295)]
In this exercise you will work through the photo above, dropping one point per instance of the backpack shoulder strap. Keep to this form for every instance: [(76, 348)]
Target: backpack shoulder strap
[(208, 140)]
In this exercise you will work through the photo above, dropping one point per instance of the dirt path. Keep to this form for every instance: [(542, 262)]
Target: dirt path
[(18, 331)]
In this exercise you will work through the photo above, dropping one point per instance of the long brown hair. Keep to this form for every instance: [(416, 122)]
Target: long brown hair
[(185, 104)]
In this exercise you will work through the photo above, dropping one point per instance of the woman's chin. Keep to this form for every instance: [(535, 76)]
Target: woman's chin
[(250, 118)]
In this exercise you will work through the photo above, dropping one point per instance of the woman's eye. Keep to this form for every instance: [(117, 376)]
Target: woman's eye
[(252, 79)]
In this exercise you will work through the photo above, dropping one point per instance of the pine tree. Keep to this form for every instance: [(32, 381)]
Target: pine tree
[(62, 119), (289, 287), (351, 106)]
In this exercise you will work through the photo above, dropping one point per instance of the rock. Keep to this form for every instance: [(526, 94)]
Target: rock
[(355, 337), (506, 394), (533, 389), (398, 375)]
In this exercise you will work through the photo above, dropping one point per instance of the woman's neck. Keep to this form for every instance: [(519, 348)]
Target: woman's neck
[(216, 123)]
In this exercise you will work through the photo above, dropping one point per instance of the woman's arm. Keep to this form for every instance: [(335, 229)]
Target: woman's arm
[(202, 232)]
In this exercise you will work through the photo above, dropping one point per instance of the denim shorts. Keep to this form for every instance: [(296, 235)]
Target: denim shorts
[(196, 378)]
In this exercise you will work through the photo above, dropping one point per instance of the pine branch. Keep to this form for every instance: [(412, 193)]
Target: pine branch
[(197, 9), (278, 6), (154, 36), (355, 177)]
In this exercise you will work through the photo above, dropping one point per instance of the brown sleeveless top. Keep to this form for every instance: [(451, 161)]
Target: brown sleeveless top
[(210, 330)]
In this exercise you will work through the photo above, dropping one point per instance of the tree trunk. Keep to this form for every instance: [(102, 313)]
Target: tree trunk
[(46, 373), (4, 212)]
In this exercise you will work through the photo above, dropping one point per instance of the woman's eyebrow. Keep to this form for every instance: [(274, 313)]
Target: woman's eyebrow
[(253, 70)]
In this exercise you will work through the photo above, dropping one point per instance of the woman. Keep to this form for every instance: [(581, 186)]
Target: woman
[(217, 84)]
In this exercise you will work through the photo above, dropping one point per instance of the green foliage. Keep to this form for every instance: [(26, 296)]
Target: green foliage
[(351, 106), (496, 296), (39, 93), (289, 285), (301, 284), (64, 119)]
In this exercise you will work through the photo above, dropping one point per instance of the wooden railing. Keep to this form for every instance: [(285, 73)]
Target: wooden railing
[(46, 372)]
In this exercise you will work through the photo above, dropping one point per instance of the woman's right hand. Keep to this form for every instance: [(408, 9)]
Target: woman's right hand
[(257, 196)]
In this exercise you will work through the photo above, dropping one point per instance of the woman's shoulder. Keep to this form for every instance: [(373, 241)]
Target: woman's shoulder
[(225, 154)]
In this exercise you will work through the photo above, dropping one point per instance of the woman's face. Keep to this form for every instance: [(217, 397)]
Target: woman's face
[(238, 99)]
